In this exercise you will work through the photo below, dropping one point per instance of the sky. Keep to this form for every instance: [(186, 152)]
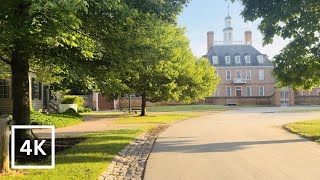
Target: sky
[(201, 16)]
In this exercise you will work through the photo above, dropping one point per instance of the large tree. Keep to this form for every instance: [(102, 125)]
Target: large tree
[(298, 63), (75, 36), (33, 30), (164, 70)]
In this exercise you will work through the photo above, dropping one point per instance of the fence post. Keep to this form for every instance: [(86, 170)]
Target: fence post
[(4, 144)]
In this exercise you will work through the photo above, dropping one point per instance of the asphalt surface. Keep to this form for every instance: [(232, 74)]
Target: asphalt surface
[(241, 144)]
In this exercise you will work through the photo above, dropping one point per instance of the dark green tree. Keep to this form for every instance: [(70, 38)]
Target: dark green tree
[(74, 36), (164, 70), (298, 63)]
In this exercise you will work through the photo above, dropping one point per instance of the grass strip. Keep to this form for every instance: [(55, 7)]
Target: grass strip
[(156, 118), (309, 129), (88, 159), (185, 108)]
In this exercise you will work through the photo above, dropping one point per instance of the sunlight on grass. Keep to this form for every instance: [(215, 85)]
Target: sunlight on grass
[(88, 159), (57, 120), (309, 129), (185, 108), (106, 114), (159, 118)]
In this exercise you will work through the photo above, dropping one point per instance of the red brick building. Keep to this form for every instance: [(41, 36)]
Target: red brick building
[(243, 70)]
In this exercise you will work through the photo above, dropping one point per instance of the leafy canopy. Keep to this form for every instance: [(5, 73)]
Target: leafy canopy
[(298, 63)]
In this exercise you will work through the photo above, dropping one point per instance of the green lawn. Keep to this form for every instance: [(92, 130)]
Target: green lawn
[(309, 129), (58, 120), (106, 114), (186, 108), (88, 159), (156, 118)]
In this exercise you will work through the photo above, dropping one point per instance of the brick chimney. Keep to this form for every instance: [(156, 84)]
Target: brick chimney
[(210, 39), (248, 38)]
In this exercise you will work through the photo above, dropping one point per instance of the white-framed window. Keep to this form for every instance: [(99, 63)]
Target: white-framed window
[(227, 58), (228, 91), (318, 91), (260, 59), (238, 74), (303, 92), (215, 60), (261, 74), (310, 93), (238, 59), (228, 75), (247, 58), (248, 74), (261, 90), (4, 89), (248, 91)]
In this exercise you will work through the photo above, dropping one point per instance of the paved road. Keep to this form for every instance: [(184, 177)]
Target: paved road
[(241, 144)]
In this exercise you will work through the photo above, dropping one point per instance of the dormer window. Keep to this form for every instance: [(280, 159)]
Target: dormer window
[(214, 59), (227, 58), (238, 59), (260, 59), (247, 58)]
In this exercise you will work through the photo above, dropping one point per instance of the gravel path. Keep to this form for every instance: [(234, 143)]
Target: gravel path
[(242, 144)]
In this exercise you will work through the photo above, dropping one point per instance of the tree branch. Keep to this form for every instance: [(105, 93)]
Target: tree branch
[(5, 60)]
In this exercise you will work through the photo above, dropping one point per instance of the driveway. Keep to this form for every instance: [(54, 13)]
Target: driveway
[(247, 143)]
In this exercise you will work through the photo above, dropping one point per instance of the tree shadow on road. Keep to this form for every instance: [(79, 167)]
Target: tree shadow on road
[(187, 146)]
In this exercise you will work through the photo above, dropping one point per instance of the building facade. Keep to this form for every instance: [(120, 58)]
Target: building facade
[(40, 94), (242, 69)]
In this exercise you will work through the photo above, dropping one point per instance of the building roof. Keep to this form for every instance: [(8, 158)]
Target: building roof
[(236, 50)]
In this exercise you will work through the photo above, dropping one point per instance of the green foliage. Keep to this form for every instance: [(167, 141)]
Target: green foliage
[(82, 109), (80, 39), (71, 99), (298, 63), (159, 118), (58, 120), (4, 70), (167, 71), (71, 112)]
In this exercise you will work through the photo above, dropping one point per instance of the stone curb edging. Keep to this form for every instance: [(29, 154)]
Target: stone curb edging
[(130, 163)]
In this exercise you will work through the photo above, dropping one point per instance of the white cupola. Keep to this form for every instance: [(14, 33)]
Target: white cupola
[(228, 31)]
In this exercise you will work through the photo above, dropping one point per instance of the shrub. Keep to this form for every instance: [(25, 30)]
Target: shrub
[(70, 99), (83, 109), (87, 110), (72, 112)]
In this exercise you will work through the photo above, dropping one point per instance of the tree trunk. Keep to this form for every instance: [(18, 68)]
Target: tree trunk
[(20, 93), (143, 104), (4, 145)]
